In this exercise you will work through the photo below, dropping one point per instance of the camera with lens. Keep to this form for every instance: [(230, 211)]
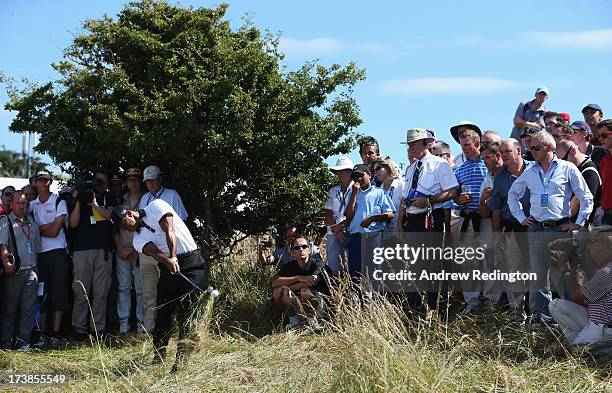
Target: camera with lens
[(85, 190)]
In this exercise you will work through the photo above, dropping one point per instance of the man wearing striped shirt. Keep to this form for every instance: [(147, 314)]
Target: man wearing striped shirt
[(587, 318), (470, 176)]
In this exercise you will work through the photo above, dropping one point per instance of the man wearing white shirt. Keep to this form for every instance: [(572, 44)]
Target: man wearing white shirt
[(162, 235), (339, 196), (52, 263), (149, 270), (551, 182), (430, 182)]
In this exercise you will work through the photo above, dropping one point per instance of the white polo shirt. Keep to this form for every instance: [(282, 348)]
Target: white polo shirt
[(45, 213), (337, 203), (436, 176), (154, 212)]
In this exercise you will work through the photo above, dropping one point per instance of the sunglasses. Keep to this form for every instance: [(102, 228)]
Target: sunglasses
[(566, 155), (441, 154), (8, 194), (536, 147), (300, 247), (554, 124), (557, 136)]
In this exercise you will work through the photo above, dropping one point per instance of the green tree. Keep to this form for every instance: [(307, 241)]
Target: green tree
[(12, 164), (243, 140)]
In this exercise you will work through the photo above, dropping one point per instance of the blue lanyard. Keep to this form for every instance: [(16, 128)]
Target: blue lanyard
[(545, 182), (155, 197), (342, 198)]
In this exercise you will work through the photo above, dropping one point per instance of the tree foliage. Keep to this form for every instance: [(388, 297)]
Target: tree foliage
[(13, 164), (240, 138)]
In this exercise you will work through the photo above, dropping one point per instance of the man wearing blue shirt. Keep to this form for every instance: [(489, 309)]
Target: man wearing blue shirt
[(551, 182), (368, 210), (503, 221), (470, 176)]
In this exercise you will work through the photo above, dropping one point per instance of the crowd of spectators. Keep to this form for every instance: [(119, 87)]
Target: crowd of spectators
[(107, 255)]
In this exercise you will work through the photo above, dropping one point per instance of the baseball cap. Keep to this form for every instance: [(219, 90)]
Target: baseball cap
[(343, 163), (592, 106), (542, 89), (66, 190), (528, 132), (582, 126), (360, 169), (42, 174), (133, 172), (151, 173), (565, 116)]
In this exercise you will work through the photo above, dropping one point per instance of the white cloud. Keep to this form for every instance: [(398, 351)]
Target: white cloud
[(449, 86), (590, 39), (586, 39), (309, 48)]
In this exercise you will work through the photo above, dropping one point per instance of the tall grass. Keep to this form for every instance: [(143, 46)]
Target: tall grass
[(368, 345)]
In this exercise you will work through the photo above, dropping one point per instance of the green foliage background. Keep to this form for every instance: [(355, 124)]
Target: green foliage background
[(242, 140)]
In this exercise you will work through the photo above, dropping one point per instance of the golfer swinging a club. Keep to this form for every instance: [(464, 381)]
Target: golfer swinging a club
[(162, 234)]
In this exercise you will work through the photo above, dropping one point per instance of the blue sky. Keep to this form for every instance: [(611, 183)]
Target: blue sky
[(428, 64)]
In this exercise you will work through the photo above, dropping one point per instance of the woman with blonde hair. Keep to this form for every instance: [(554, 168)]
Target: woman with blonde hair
[(388, 175)]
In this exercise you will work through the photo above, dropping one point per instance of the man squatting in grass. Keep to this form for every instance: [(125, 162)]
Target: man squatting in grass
[(299, 282), (162, 234)]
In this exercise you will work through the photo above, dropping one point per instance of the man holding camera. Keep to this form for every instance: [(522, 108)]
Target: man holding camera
[(20, 282), (162, 235), (92, 253)]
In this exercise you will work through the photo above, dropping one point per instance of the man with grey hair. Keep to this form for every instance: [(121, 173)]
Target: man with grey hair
[(551, 182)]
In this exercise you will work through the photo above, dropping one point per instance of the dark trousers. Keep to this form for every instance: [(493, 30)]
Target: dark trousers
[(474, 217), (176, 295), (419, 222)]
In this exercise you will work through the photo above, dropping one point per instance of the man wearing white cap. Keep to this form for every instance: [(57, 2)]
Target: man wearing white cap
[(530, 114), (334, 214), (149, 271), (153, 180)]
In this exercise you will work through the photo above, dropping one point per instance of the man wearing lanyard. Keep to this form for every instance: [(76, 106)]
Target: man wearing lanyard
[(20, 283), (429, 183), (162, 235), (551, 182), (334, 214)]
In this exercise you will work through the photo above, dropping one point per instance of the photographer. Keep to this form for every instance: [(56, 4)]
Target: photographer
[(92, 260), (587, 317)]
